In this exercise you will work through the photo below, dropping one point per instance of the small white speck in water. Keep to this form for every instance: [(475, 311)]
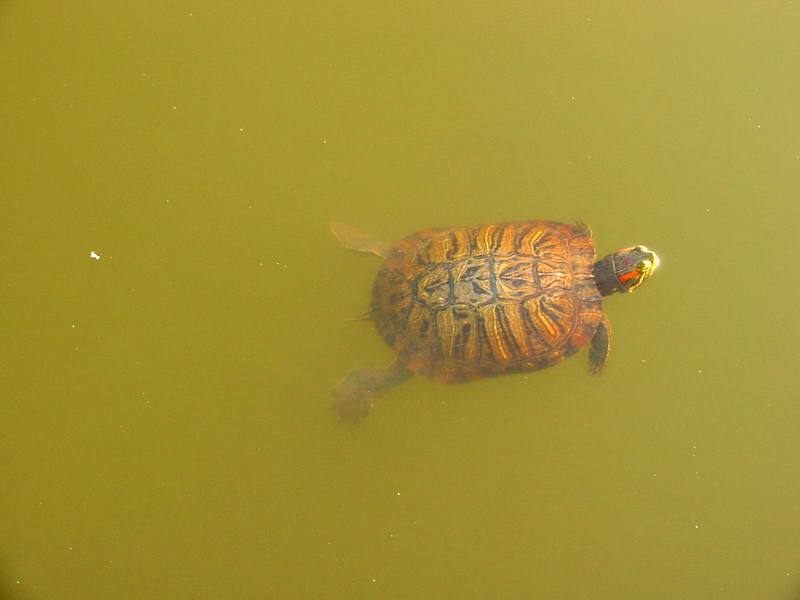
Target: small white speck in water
[(94, 255)]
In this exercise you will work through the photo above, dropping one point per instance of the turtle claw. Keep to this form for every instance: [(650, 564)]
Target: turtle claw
[(595, 369)]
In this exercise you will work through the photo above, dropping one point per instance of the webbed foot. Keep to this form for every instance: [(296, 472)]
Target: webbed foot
[(600, 347), (354, 396), (353, 239)]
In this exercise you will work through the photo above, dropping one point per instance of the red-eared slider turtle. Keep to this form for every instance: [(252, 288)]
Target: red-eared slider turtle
[(470, 302)]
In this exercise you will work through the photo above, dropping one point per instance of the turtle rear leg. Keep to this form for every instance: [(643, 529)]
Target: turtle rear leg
[(355, 395), (353, 239), (600, 347)]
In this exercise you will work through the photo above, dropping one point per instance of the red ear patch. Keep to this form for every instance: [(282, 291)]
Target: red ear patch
[(625, 277)]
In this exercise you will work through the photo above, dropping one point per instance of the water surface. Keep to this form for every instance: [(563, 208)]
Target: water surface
[(166, 432)]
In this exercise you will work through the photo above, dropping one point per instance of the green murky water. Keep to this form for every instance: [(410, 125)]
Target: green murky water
[(174, 309)]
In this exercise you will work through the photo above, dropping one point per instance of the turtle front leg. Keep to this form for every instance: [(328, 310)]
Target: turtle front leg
[(355, 395), (599, 347)]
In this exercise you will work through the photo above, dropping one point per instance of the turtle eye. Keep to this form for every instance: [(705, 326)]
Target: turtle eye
[(641, 266)]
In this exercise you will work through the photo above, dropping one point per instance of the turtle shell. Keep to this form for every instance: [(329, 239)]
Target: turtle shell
[(470, 302)]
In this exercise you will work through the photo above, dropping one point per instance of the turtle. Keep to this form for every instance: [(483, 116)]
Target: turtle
[(463, 303)]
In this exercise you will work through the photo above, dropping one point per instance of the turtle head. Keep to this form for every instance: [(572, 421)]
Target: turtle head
[(624, 270)]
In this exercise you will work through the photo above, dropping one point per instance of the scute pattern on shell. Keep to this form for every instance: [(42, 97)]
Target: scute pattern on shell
[(470, 302)]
